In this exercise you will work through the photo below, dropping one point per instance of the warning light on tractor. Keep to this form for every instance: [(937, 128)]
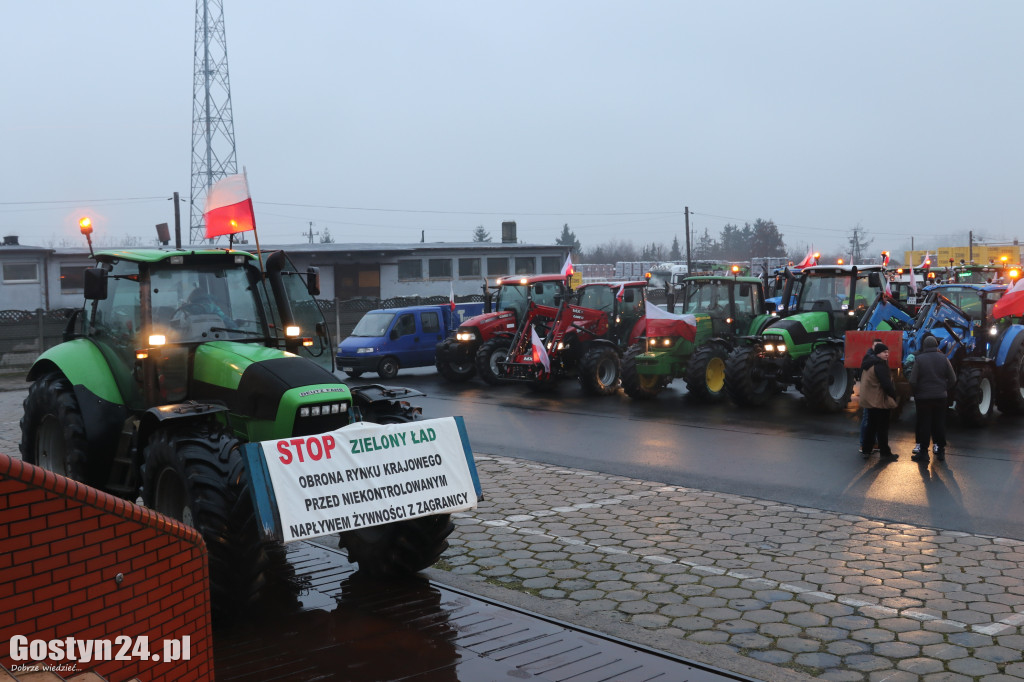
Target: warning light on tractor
[(85, 225)]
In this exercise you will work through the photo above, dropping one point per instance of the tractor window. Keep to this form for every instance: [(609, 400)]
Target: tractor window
[(197, 304), (115, 327), (547, 293), (513, 297), (597, 297), (705, 297)]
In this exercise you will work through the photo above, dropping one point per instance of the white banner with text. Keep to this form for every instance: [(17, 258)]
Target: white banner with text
[(369, 474)]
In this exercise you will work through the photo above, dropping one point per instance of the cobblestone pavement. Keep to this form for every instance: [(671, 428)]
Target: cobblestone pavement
[(771, 590)]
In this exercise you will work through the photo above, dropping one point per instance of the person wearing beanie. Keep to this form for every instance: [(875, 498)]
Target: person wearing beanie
[(931, 379), (877, 397), (864, 411)]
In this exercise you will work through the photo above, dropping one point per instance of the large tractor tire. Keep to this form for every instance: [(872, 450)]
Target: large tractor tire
[(400, 548), (195, 473), (974, 393), (491, 352), (53, 431), (600, 370), (1010, 381), (456, 372), (640, 386), (705, 372), (744, 383), (827, 384)]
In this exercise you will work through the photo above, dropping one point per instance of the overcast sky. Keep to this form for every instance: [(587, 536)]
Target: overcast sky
[(378, 120)]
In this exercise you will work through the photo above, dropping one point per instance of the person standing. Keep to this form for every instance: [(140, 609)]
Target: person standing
[(932, 378), (864, 413), (877, 397)]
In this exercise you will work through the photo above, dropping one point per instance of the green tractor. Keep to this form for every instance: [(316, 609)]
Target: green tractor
[(804, 347), (178, 358), (723, 308)]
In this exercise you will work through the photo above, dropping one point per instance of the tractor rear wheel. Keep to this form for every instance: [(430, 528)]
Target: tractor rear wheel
[(600, 370), (196, 473), (1010, 391), (400, 548), (53, 431), (636, 385), (974, 395), (744, 383), (705, 373), (490, 354), (456, 371), (827, 384)]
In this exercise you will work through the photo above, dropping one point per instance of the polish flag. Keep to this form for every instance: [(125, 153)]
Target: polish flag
[(912, 286), (888, 288), (567, 267), (451, 296), (621, 292), (663, 323), (808, 260), (540, 354), (229, 207)]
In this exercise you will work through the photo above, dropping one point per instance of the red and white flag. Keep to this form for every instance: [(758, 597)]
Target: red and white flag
[(888, 288), (1012, 302), (808, 260), (540, 353), (621, 292), (912, 284), (663, 323), (451, 296), (567, 267), (229, 207)]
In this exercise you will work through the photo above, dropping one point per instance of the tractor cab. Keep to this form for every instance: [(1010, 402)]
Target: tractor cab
[(622, 302), (841, 291), (731, 303)]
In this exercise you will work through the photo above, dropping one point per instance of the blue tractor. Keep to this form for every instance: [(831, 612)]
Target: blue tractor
[(987, 354)]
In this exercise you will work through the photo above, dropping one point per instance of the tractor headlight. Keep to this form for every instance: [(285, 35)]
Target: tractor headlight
[(770, 347), (465, 336), (292, 331), (364, 350), (993, 330), (781, 348)]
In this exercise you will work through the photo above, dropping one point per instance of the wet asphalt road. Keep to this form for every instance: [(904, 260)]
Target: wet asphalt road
[(782, 452)]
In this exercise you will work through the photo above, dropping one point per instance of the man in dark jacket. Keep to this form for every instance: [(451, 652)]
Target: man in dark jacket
[(931, 379), (878, 397)]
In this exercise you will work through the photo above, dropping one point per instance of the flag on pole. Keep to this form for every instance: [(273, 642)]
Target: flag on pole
[(229, 207), (888, 288), (808, 260), (451, 296), (1012, 302), (567, 267), (621, 292), (540, 353), (912, 285)]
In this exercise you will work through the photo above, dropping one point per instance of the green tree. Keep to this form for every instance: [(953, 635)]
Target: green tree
[(481, 235), (766, 240), (568, 238), (674, 253), (735, 242), (706, 247)]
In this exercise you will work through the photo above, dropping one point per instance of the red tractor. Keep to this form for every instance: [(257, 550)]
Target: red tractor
[(586, 338), (481, 341)]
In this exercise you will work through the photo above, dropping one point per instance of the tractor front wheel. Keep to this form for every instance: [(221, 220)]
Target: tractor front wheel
[(490, 354), (744, 383), (636, 385), (400, 548), (456, 371), (196, 473), (600, 370), (705, 373), (827, 384), (974, 395), (52, 429), (1010, 391)]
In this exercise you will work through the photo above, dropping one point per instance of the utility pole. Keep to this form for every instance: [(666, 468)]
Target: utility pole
[(689, 262), (970, 246), (311, 233)]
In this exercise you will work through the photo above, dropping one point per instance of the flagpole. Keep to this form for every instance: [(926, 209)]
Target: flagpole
[(255, 232)]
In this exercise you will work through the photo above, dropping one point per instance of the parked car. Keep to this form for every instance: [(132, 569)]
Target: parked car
[(386, 340)]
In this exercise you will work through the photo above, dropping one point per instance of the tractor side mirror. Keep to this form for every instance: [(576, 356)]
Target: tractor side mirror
[(313, 281), (874, 280), (95, 284)]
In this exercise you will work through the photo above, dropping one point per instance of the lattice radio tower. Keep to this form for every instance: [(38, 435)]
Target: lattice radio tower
[(213, 128)]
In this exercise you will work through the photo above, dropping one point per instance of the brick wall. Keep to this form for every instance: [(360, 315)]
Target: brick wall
[(63, 546)]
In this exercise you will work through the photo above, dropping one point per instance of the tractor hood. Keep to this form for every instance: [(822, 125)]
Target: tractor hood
[(800, 330), (502, 321), (252, 379)]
